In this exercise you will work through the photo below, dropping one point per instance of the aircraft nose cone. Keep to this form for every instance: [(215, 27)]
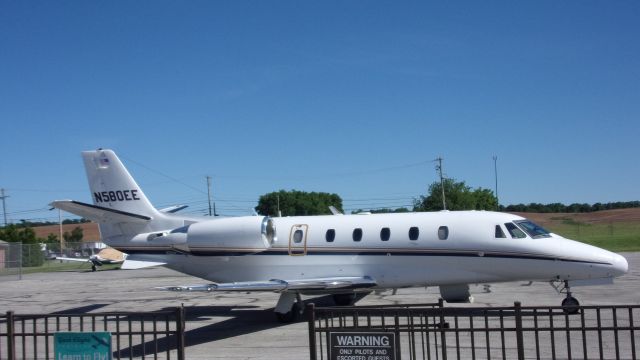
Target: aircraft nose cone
[(620, 265)]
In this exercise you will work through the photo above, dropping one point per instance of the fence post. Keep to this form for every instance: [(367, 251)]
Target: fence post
[(443, 334), (519, 336), (311, 318), (180, 318), (11, 339)]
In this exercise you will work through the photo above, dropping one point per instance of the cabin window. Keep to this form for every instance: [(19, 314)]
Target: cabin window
[(297, 236), (357, 234), (443, 233), (330, 235), (414, 233), (385, 234), (514, 231), (499, 232)]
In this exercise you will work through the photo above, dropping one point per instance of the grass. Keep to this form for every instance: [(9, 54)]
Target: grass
[(617, 237), (57, 265)]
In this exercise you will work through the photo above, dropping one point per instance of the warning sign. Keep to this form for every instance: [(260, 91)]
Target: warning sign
[(372, 345)]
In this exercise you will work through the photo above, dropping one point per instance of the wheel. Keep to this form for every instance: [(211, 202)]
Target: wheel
[(344, 299), (290, 316), (570, 305)]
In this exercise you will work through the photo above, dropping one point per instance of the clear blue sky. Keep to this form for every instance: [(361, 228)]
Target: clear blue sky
[(351, 97)]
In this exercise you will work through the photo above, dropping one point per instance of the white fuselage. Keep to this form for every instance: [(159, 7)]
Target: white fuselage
[(437, 248)]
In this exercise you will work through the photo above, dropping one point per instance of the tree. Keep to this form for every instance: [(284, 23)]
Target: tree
[(32, 254), (295, 203), (13, 233), (458, 196), (76, 235), (485, 199)]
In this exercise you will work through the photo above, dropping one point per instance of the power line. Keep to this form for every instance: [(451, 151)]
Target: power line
[(163, 174)]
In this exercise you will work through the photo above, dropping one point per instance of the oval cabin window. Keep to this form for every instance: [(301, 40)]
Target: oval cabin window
[(357, 234), (443, 233), (330, 235), (385, 234), (414, 233)]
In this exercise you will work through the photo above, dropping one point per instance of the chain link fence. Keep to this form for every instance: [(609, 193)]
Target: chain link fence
[(11, 261), (18, 258)]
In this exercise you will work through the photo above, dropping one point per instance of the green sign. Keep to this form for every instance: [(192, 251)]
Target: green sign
[(82, 345)]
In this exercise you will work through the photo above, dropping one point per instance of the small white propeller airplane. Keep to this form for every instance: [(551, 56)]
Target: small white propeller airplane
[(340, 255), (104, 257)]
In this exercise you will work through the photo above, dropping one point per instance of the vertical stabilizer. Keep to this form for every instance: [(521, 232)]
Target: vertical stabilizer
[(112, 186)]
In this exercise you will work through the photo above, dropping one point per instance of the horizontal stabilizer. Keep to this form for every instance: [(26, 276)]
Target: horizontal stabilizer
[(173, 209), (282, 285), (98, 213), (137, 264)]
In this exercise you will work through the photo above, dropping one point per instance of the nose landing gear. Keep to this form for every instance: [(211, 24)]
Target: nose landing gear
[(570, 305)]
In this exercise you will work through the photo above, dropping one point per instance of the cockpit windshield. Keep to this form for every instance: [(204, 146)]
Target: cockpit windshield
[(533, 230)]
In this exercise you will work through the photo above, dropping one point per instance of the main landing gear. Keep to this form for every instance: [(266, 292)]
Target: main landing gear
[(570, 305), (289, 308), (344, 299)]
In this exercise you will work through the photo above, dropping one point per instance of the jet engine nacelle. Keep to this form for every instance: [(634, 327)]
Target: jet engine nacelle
[(247, 232), (250, 232), (456, 293)]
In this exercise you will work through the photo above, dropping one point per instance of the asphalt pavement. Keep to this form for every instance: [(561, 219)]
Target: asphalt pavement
[(242, 325)]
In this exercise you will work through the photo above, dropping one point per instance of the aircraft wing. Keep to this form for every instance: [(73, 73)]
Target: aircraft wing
[(276, 285), (73, 259)]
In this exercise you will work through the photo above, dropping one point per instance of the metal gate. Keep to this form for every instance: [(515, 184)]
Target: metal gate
[(151, 335), (517, 332)]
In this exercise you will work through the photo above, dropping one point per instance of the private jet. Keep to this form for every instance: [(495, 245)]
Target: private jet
[(338, 255)]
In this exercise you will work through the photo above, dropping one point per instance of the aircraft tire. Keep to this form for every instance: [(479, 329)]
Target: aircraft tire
[(289, 316), (570, 305), (344, 299)]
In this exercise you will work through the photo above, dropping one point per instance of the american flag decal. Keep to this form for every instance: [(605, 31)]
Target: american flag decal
[(103, 162)]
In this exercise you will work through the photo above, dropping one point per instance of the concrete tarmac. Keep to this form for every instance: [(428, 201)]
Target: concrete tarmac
[(242, 325)]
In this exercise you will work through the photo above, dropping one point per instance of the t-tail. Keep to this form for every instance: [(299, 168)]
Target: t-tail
[(119, 206)]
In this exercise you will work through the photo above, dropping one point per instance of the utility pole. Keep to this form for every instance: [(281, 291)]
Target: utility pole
[(61, 237), (4, 207), (439, 169), (278, 205), (495, 169), (209, 192)]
